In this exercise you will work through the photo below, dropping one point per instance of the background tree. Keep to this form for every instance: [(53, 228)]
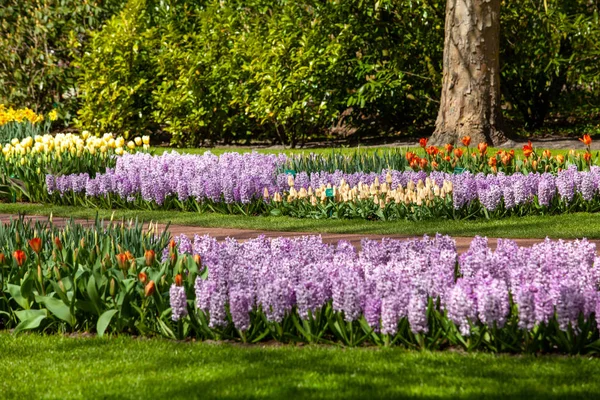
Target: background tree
[(471, 98)]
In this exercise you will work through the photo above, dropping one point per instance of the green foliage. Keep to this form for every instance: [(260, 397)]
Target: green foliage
[(282, 70), (39, 41), (80, 276), (117, 75), (290, 71), (549, 49)]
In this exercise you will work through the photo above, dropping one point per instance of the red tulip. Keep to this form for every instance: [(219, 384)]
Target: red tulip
[(466, 140), (20, 257), (527, 149), (586, 139), (36, 245), (423, 142)]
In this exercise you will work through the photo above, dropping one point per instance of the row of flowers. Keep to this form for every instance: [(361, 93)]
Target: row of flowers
[(251, 183), (448, 158), (25, 162), (416, 293)]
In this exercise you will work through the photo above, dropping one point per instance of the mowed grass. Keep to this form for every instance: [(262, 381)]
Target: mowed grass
[(565, 226), (341, 150), (58, 367)]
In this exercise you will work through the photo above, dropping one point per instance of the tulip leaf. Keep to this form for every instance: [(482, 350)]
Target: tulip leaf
[(24, 315), (15, 292), (31, 319), (57, 308), (92, 291), (104, 321)]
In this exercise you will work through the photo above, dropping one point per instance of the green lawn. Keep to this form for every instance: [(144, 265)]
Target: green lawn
[(565, 226), (327, 150), (33, 366)]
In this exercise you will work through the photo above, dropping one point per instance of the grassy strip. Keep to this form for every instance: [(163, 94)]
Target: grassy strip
[(329, 150), (565, 226), (33, 366)]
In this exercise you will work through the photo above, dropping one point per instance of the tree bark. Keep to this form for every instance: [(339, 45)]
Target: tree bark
[(470, 101)]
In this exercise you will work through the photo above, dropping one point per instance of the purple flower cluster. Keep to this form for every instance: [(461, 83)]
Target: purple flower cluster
[(232, 177), (178, 302), (391, 280), (235, 177)]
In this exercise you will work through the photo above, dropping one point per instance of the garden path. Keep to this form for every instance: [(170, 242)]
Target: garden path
[(462, 243)]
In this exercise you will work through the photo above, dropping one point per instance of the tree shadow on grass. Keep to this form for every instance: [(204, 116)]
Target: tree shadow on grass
[(199, 370)]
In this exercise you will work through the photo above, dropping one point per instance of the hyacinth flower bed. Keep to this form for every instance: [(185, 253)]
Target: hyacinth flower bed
[(414, 293), (252, 184)]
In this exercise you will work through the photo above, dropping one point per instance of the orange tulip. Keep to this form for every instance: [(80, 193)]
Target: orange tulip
[(122, 260), (409, 156), (58, 243), (150, 256), (423, 142), (432, 150), (198, 260), (447, 158), (449, 148), (560, 158), (534, 164), (586, 139), (527, 149), (423, 163), (458, 153), (414, 164), (20, 257), (482, 147), (36, 244), (466, 140), (129, 255), (178, 280), (150, 289), (2, 259), (143, 277), (587, 156), (547, 154), (172, 244), (492, 161), (434, 165)]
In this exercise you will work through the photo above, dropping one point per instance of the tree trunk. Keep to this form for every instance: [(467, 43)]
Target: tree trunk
[(470, 102)]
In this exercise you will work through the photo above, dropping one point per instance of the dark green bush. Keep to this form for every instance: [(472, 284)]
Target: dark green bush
[(38, 43), (287, 71), (282, 70), (549, 48)]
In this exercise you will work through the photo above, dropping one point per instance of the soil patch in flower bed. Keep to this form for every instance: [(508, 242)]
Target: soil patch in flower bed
[(462, 243)]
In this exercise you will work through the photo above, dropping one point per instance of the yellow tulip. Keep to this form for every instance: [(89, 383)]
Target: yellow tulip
[(146, 140), (131, 145), (138, 141)]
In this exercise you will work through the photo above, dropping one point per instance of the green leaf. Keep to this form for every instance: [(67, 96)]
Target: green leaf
[(104, 321), (57, 308), (32, 320), (15, 292), (93, 293)]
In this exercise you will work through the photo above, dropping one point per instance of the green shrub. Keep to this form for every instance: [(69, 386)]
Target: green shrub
[(280, 70), (117, 74), (39, 41), (287, 71)]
